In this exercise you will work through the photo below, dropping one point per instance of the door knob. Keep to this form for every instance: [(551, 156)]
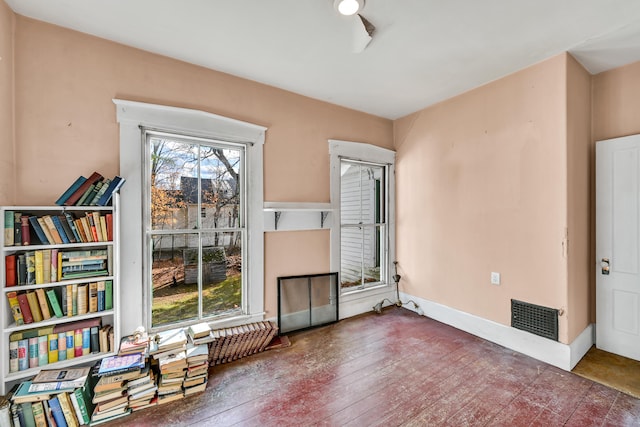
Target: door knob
[(604, 265)]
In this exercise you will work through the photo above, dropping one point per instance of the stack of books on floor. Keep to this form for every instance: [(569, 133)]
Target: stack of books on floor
[(111, 391), (60, 397), (197, 372), (169, 353)]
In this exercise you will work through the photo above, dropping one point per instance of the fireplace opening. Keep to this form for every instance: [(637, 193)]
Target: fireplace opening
[(307, 301)]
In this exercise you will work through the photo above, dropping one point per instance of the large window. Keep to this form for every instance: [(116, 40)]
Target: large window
[(363, 224), (207, 222), (196, 232)]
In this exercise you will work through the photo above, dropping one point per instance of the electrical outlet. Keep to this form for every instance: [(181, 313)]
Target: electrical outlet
[(495, 278)]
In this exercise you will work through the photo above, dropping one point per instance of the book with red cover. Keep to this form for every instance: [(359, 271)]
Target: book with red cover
[(109, 221), (24, 307), (10, 270), (26, 234), (73, 199)]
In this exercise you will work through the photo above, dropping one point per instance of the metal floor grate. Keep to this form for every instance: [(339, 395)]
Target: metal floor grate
[(542, 321)]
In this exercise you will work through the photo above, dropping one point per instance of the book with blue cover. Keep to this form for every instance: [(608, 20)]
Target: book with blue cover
[(114, 186), (76, 184), (38, 229)]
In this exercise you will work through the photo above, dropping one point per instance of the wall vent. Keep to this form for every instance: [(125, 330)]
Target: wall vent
[(536, 319)]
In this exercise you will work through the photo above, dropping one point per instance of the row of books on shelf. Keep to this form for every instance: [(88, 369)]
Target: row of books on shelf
[(62, 301), (22, 229), (95, 190), (53, 265), (40, 347), (71, 407)]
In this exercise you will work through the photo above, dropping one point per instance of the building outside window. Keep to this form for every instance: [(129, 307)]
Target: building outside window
[(363, 224)]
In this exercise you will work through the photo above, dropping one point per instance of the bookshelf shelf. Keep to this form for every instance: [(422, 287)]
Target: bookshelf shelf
[(55, 284), (21, 375), (56, 321), (22, 271), (64, 246)]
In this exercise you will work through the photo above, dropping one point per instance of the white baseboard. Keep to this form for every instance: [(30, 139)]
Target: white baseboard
[(554, 353)]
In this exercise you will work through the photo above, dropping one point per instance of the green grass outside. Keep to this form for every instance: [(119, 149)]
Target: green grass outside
[(179, 303)]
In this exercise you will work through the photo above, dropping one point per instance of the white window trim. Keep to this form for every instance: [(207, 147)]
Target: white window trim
[(362, 300), (131, 116)]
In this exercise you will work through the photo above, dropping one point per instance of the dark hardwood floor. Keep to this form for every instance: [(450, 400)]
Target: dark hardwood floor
[(393, 369)]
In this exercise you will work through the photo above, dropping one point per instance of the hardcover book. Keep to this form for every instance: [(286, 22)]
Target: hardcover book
[(62, 219), (67, 410), (30, 258), (34, 305), (59, 228), (113, 365), (56, 411), (38, 229), (44, 305), (53, 231), (13, 356), (55, 304), (53, 348), (17, 229), (114, 186), (45, 230), (15, 308), (10, 270), (8, 228), (26, 234), (25, 309)]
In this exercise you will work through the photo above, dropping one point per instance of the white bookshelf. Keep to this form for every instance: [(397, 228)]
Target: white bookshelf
[(107, 317)]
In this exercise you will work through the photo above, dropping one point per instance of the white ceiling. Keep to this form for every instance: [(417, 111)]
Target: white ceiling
[(423, 51)]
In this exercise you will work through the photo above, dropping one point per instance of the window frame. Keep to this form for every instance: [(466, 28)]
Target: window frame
[(361, 300), (132, 116)]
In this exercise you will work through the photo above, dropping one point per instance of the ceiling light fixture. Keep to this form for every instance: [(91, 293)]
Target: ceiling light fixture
[(348, 7)]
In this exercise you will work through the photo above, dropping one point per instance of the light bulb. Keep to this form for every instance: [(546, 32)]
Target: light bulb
[(348, 7)]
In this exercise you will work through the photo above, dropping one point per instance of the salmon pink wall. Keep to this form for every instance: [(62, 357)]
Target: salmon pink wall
[(66, 124), (616, 102), (482, 187), (7, 169), (283, 252), (580, 188)]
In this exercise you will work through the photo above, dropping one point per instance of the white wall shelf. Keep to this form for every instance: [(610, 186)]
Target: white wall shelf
[(292, 216)]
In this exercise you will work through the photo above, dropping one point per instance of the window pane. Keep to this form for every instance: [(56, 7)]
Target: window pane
[(220, 187), (361, 193), (372, 250), (351, 253), (362, 252), (174, 284), (174, 172), (221, 273)]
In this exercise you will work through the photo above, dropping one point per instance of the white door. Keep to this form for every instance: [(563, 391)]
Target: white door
[(618, 246)]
